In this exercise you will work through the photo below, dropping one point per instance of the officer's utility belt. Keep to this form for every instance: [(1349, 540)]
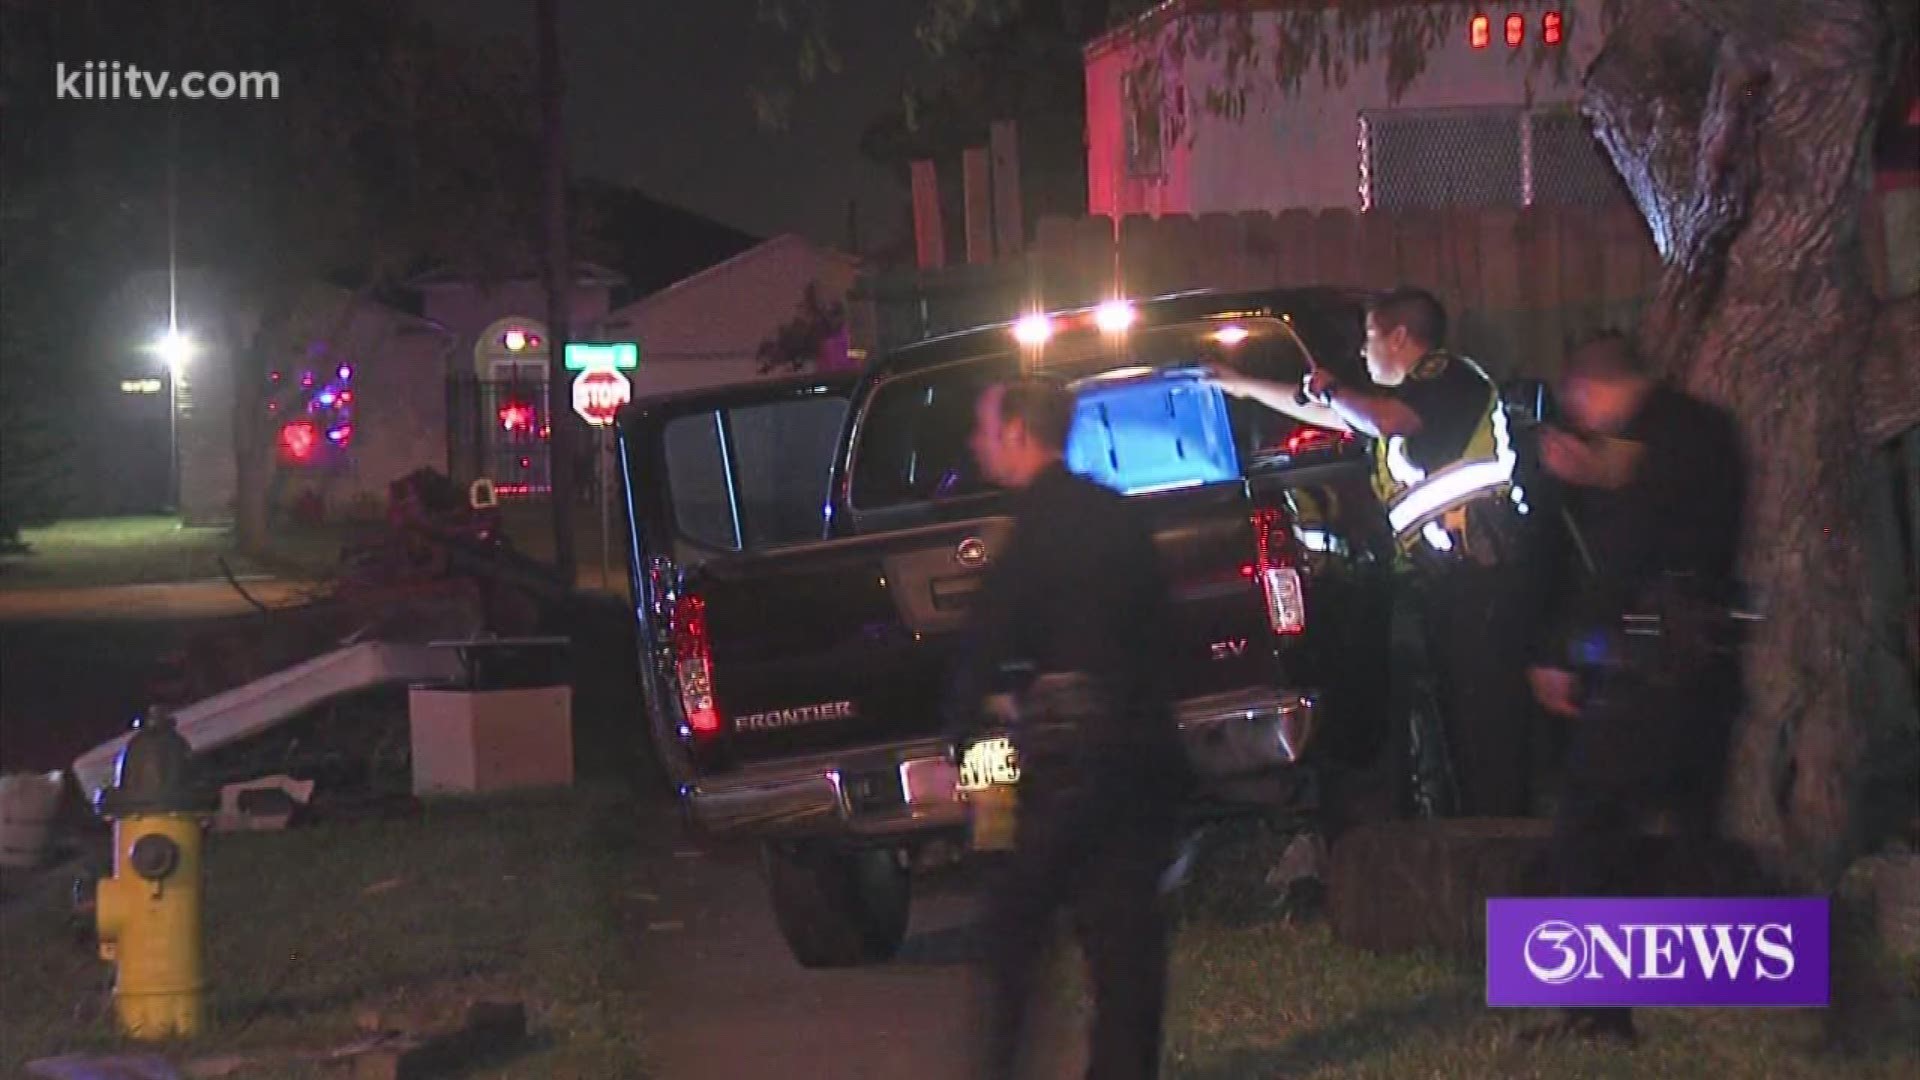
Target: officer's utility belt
[(1462, 514), (1675, 629)]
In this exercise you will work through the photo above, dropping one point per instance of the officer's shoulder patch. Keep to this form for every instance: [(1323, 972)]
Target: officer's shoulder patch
[(1431, 366)]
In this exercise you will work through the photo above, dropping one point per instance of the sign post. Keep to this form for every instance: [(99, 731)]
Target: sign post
[(600, 390), (606, 451)]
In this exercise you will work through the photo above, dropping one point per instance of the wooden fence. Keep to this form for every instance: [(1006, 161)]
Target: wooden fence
[(1520, 285)]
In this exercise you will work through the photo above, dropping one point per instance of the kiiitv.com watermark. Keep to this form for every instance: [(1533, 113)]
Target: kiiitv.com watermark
[(1657, 952), (111, 80)]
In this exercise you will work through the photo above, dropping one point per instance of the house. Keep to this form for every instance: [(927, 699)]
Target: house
[(707, 329), (494, 382), (1485, 123), (357, 401), (445, 372)]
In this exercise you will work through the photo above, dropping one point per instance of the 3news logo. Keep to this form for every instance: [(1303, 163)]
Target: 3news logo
[(1657, 952)]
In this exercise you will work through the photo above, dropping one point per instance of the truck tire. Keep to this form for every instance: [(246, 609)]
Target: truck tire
[(837, 906)]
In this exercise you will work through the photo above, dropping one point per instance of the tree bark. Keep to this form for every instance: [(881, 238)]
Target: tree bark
[(1890, 382), (1744, 131), (560, 421)]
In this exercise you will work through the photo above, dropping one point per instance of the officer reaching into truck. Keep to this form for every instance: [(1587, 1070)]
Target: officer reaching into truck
[(1071, 624), (1443, 469)]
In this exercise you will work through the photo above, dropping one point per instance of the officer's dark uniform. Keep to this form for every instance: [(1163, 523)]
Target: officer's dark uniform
[(1448, 489), (1079, 589), (1658, 703)]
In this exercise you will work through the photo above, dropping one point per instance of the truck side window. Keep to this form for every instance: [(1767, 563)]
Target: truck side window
[(703, 505), (783, 462), (913, 442), (754, 476)]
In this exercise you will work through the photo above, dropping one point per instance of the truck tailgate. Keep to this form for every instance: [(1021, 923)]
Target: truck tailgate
[(849, 642)]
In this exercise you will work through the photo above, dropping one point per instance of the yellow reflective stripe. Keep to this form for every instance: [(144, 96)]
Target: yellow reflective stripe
[(1448, 487), (1402, 470)]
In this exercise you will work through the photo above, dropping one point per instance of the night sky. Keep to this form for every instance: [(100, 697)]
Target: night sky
[(657, 99)]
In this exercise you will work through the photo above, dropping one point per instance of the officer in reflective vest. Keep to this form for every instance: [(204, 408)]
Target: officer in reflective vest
[(1443, 469)]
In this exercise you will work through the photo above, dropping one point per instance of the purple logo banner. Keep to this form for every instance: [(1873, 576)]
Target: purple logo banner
[(1669, 952)]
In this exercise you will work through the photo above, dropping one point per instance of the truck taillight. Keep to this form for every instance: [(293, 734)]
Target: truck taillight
[(693, 666), (1279, 578)]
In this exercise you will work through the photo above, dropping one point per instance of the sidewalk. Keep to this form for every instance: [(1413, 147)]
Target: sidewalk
[(163, 600)]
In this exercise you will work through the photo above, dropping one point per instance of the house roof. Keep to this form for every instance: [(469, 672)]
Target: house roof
[(584, 273), (753, 254), (630, 242), (374, 303)]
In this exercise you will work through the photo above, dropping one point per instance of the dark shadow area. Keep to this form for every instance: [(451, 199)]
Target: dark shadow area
[(609, 715), (948, 946), (481, 1064), (1367, 1034)]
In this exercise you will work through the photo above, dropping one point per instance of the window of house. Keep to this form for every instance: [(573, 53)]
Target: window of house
[(1429, 159), (1568, 167), (1140, 102), (1423, 159)]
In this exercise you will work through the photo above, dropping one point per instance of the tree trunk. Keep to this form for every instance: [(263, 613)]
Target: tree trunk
[(1743, 129), (560, 442)]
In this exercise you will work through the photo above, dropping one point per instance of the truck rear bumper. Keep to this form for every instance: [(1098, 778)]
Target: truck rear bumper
[(884, 790), (898, 789)]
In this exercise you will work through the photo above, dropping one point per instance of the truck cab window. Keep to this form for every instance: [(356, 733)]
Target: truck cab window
[(913, 443)]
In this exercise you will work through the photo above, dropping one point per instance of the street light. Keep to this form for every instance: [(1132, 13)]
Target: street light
[(174, 349)]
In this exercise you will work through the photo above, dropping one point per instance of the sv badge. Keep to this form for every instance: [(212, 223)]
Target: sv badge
[(1231, 649)]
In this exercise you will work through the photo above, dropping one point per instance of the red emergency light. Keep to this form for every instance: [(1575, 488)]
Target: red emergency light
[(1480, 31), (1552, 28), (1516, 30)]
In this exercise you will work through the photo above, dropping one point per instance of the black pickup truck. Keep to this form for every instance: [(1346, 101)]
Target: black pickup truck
[(804, 552)]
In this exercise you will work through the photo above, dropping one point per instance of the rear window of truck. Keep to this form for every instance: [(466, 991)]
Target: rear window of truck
[(1147, 419)]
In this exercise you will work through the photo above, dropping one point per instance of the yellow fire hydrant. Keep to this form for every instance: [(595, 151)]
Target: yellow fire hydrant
[(148, 913)]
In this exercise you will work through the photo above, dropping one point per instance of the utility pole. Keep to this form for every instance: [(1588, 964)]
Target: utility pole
[(559, 292)]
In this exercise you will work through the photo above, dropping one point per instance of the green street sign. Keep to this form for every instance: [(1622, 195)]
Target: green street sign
[(616, 355)]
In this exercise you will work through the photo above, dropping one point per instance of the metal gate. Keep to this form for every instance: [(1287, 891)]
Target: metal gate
[(500, 431)]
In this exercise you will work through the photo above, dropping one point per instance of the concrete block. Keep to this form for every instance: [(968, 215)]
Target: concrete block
[(490, 740)]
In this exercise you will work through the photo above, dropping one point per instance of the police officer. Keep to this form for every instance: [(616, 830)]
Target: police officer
[(1657, 485), (1443, 468), (1076, 608)]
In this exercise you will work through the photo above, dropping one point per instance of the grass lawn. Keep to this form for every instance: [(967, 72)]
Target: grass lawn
[(1255, 994), (118, 551), (1275, 999), (503, 900)]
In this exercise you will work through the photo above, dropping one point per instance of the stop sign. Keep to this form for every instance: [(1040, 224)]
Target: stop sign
[(599, 393)]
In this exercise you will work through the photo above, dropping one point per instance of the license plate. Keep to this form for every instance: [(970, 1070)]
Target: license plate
[(874, 791), (989, 762)]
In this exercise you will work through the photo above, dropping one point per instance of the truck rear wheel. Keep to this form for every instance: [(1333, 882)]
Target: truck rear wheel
[(837, 906)]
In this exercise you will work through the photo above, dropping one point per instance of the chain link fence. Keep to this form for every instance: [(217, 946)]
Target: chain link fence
[(1430, 159)]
